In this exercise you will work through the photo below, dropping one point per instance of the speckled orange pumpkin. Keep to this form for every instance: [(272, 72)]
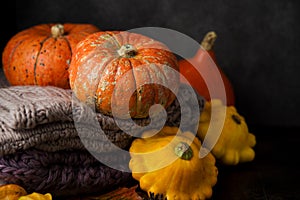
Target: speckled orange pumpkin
[(41, 55), (101, 62)]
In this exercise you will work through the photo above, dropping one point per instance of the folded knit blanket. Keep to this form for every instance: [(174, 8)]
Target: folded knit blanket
[(43, 117), (41, 148), (62, 173)]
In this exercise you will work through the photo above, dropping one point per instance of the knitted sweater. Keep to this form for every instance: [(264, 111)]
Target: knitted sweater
[(62, 173), (45, 133), (51, 119)]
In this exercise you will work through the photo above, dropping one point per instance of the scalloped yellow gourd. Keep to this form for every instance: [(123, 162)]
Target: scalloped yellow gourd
[(167, 164), (36, 196), (16, 192), (235, 144)]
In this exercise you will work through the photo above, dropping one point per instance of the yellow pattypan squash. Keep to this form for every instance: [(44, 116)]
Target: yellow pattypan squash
[(11, 192), (167, 164), (36, 196), (16, 192), (235, 143)]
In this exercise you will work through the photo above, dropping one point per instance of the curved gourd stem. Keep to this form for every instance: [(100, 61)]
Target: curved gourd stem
[(209, 40)]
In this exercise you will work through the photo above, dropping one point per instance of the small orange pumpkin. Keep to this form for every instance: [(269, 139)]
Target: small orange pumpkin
[(41, 55), (11, 192), (102, 61), (201, 62)]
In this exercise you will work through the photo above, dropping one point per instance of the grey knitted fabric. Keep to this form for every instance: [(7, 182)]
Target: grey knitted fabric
[(43, 117), (43, 129), (25, 107), (32, 116)]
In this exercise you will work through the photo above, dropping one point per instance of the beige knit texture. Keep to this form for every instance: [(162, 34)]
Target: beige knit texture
[(50, 119)]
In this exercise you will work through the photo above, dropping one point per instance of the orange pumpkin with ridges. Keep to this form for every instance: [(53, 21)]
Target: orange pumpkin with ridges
[(103, 59), (41, 55)]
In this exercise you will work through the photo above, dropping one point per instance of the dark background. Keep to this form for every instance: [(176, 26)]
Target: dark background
[(258, 48)]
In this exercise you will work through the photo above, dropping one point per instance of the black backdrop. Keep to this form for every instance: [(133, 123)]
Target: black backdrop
[(258, 43)]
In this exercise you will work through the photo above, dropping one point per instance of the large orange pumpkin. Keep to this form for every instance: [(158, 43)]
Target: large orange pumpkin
[(202, 62), (103, 59), (41, 55)]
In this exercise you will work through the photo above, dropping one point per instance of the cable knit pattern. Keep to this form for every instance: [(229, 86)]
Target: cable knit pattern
[(43, 117), (43, 129), (25, 107), (61, 172)]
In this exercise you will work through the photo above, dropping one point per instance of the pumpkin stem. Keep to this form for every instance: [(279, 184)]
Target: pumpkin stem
[(127, 51), (183, 151), (57, 30), (209, 40)]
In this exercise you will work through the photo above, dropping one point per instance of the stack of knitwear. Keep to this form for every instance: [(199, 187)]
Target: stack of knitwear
[(43, 149)]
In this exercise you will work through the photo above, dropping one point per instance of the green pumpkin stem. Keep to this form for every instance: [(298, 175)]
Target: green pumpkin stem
[(183, 151)]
